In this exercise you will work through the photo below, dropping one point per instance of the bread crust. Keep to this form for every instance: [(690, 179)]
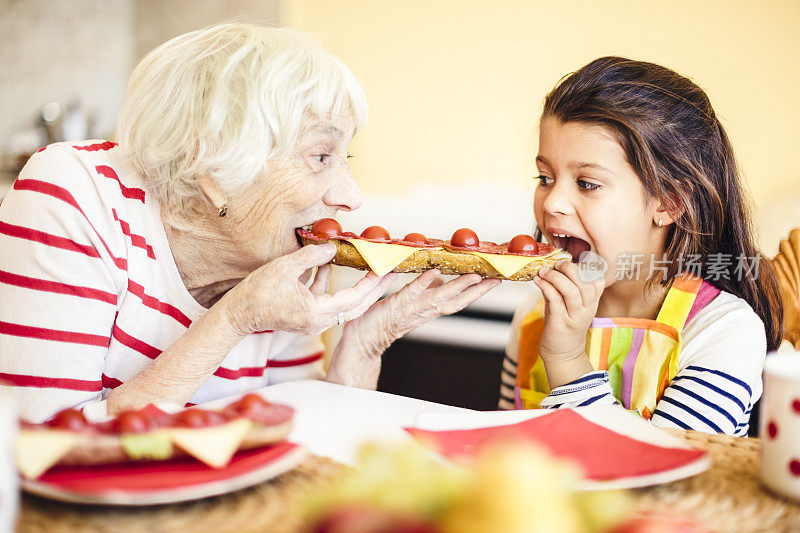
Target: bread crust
[(447, 261)]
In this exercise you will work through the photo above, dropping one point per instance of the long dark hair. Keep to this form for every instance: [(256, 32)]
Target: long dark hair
[(677, 146)]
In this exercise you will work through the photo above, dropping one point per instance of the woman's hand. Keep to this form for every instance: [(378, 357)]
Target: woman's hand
[(570, 306), (274, 297), (422, 300), (356, 360)]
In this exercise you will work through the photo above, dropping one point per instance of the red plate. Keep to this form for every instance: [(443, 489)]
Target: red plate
[(608, 459), (158, 482)]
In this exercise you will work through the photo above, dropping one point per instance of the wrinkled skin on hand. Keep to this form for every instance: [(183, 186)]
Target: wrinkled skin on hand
[(356, 360), (422, 300), (275, 297)]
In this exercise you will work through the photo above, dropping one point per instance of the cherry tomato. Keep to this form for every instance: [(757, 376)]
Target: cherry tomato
[(196, 418), (133, 422), (193, 418), (464, 237), (377, 233), (523, 244), (416, 237), (70, 419), (326, 228), (249, 403)]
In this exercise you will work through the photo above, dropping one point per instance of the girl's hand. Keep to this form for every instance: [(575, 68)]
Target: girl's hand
[(570, 306), (274, 297)]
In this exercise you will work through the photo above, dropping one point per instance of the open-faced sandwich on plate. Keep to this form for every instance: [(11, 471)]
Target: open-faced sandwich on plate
[(209, 435)]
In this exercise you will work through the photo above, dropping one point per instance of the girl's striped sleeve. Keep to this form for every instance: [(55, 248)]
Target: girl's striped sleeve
[(590, 389)]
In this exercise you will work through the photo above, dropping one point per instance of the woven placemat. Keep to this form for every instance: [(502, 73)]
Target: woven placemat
[(727, 497), (268, 507)]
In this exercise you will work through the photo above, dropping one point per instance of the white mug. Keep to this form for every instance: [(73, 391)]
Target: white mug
[(779, 426), (9, 481)]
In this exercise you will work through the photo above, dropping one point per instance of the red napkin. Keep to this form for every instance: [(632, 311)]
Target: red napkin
[(602, 453), (145, 476)]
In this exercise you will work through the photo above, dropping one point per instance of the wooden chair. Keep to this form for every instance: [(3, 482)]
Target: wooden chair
[(787, 268)]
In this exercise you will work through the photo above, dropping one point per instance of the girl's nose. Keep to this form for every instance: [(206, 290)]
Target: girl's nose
[(558, 201), (345, 193)]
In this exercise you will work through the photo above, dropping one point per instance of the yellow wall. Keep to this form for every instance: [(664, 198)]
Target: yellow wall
[(456, 86)]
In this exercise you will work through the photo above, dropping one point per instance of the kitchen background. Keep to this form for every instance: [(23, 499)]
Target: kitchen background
[(455, 89)]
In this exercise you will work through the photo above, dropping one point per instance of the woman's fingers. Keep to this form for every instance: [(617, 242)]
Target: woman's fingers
[(438, 282), (321, 280), (347, 299), (467, 296), (370, 298), (456, 286), (310, 256), (414, 290), (437, 297)]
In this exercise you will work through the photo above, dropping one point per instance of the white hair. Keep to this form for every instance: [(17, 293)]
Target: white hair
[(222, 101)]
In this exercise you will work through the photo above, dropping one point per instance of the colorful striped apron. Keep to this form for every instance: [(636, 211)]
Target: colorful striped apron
[(641, 355)]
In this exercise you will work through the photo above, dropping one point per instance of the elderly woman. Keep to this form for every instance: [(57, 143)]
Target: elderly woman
[(166, 268)]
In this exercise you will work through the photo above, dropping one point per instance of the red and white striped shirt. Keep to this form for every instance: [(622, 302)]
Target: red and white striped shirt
[(90, 293)]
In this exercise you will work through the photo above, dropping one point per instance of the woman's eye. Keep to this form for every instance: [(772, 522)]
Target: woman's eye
[(544, 180), (322, 157), (587, 185)]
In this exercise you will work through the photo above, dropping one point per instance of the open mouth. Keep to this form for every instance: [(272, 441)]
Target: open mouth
[(307, 227), (572, 244)]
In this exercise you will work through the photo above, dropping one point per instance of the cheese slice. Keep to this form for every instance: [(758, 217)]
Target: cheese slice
[(381, 257), (37, 451), (214, 445), (507, 265)]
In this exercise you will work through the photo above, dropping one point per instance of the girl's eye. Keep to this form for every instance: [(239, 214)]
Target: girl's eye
[(544, 180), (349, 156), (587, 185), (322, 157)]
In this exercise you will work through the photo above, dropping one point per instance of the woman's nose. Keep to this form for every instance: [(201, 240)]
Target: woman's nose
[(345, 193)]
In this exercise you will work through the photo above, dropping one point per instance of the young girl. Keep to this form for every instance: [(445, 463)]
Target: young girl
[(635, 167)]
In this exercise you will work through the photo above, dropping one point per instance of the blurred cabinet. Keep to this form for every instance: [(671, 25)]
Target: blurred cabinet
[(452, 360)]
